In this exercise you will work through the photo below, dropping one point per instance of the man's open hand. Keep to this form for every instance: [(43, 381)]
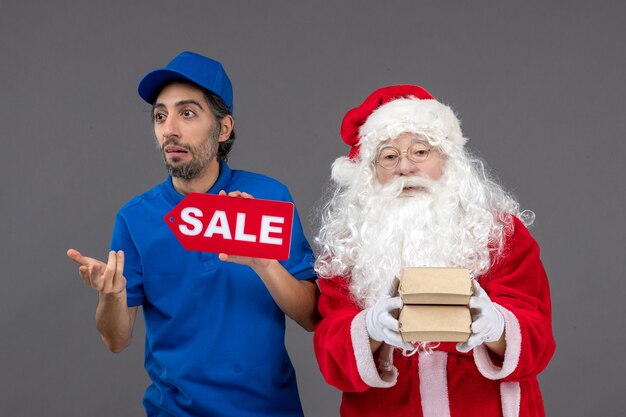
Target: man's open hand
[(107, 279)]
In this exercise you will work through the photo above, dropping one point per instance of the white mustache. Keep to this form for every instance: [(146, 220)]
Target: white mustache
[(395, 188), (418, 182)]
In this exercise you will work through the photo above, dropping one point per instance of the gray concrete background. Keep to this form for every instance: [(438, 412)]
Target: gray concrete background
[(539, 87)]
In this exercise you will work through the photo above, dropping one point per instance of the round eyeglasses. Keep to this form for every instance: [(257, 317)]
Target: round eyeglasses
[(389, 156)]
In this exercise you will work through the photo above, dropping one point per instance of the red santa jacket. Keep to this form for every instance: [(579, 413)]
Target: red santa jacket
[(445, 382)]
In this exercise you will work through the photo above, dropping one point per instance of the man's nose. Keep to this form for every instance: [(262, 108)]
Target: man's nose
[(171, 128)]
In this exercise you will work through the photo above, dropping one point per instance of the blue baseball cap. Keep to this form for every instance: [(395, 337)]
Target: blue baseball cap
[(188, 66)]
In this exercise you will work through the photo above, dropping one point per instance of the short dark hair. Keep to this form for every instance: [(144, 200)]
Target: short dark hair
[(219, 110)]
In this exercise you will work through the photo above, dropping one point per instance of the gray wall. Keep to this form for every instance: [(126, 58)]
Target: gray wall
[(539, 86)]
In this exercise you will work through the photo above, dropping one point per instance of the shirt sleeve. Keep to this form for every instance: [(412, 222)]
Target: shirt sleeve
[(122, 240), (300, 262), (518, 285)]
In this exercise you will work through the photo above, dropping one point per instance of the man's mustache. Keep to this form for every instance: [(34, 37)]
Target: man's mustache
[(174, 142)]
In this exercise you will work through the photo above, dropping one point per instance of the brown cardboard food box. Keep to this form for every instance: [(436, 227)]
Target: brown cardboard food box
[(435, 323), (435, 286), (435, 304)]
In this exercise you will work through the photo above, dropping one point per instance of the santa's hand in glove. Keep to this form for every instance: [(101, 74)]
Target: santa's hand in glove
[(487, 323), (382, 324)]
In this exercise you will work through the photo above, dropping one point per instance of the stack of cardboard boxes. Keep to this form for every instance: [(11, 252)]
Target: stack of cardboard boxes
[(435, 304)]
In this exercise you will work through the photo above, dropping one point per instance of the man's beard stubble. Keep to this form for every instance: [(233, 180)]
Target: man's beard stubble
[(201, 154)]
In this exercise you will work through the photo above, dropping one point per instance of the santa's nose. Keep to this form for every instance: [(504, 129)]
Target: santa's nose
[(406, 167)]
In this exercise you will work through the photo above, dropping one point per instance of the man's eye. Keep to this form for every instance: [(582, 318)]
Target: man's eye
[(188, 113), (389, 157), (158, 117), (420, 152)]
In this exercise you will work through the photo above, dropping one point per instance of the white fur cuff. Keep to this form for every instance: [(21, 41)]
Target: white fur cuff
[(368, 370), (513, 337)]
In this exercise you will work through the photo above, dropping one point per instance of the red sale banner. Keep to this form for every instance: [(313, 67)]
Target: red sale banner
[(233, 225)]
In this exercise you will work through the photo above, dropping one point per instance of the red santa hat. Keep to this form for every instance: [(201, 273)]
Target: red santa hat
[(390, 111)]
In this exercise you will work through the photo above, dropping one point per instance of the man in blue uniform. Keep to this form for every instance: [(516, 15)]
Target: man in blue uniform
[(215, 324)]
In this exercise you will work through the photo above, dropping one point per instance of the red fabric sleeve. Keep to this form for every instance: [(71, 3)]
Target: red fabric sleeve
[(518, 282), (332, 339)]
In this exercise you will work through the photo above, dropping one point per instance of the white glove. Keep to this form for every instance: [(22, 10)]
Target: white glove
[(382, 326), (487, 321)]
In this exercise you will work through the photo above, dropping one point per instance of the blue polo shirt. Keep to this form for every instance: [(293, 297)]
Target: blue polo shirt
[(214, 335)]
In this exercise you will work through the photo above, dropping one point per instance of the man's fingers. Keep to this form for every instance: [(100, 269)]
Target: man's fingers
[(119, 264), (83, 271), (233, 258), (80, 259), (241, 260), (239, 194), (94, 275), (118, 283), (77, 257), (101, 277), (111, 263), (91, 274), (236, 194), (106, 279)]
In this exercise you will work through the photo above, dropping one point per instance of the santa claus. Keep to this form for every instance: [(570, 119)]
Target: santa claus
[(408, 195)]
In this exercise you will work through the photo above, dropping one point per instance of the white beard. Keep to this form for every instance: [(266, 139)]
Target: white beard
[(372, 235)]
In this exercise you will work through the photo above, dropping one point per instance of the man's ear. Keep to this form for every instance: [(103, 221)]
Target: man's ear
[(227, 125)]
